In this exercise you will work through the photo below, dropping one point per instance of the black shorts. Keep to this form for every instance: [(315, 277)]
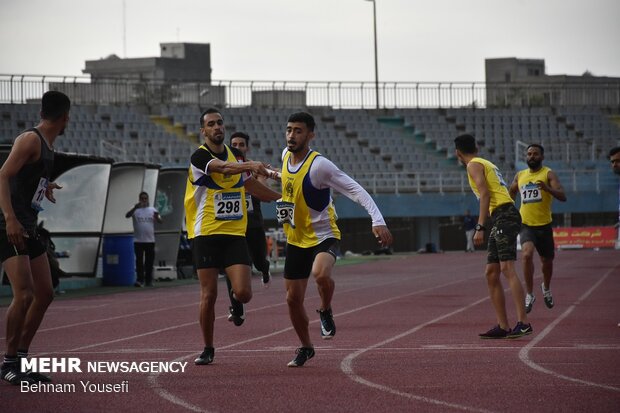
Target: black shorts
[(298, 263), (503, 236), (541, 237), (219, 251), (32, 249)]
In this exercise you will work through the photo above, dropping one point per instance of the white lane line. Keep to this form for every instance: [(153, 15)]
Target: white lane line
[(161, 330), (347, 364), (524, 354), (167, 395), (196, 303), (102, 320)]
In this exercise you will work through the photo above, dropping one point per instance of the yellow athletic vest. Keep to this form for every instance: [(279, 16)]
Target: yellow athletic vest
[(215, 203), (309, 214), (495, 183), (535, 203)]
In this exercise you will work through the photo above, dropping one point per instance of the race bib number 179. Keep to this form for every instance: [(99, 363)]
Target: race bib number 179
[(530, 193)]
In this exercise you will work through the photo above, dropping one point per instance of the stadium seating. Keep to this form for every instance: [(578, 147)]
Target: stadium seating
[(372, 146)]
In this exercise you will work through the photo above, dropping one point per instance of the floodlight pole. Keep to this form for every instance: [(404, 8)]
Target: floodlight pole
[(374, 20)]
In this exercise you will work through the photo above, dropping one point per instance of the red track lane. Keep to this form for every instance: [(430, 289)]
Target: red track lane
[(407, 341)]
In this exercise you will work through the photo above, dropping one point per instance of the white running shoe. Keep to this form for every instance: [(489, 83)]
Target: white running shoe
[(529, 301)]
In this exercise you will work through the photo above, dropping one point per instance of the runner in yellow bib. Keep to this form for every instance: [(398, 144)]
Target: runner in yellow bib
[(308, 216), (489, 187), (537, 186), (216, 218)]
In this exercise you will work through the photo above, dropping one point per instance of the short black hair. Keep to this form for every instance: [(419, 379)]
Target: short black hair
[(206, 112), (54, 105), (614, 151), (143, 193), (303, 117), (536, 145), (240, 134), (466, 144)]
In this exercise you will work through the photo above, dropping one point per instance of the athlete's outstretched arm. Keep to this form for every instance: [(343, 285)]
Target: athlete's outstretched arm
[(260, 190), (325, 174)]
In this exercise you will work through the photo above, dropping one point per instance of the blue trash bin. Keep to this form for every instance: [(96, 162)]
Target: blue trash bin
[(119, 263)]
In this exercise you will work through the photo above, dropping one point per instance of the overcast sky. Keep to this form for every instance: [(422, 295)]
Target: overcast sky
[(419, 40)]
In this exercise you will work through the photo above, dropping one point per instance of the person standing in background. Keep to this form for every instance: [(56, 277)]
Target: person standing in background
[(144, 216), (469, 225)]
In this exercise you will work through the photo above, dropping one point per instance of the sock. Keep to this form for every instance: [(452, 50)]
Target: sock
[(9, 361), (22, 354)]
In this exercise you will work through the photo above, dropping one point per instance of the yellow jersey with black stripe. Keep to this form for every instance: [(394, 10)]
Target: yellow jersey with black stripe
[(307, 213), (214, 202), (535, 203), (496, 185)]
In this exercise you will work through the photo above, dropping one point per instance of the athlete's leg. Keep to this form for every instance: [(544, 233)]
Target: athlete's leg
[(322, 270), (496, 292), (295, 293), (547, 270), (241, 282), (18, 270), (208, 296), (527, 256), (518, 296), (257, 244), (42, 298)]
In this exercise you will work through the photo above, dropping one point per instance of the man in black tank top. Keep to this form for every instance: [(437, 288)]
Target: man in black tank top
[(24, 182)]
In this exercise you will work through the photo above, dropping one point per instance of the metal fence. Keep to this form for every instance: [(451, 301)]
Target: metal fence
[(339, 95), (456, 182)]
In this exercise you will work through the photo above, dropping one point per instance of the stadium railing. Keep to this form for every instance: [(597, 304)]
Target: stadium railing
[(336, 94)]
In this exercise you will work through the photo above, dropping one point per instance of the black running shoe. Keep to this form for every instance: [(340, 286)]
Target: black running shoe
[(520, 330), (206, 357), (495, 333), (266, 279), (328, 328), (303, 354), (547, 296), (237, 313), (12, 375), (236, 309), (38, 377)]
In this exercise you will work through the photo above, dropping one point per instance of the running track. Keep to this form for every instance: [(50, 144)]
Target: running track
[(407, 341)]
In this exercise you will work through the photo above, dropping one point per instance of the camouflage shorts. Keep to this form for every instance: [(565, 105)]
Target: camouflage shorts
[(503, 237)]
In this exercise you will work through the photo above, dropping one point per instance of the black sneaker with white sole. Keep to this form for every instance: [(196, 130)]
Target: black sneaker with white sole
[(206, 357), (520, 330), (328, 327), (303, 354), (11, 374), (236, 309), (548, 297), (266, 279), (237, 313)]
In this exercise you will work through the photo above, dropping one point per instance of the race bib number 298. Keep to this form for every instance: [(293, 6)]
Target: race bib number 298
[(228, 206), (285, 212)]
